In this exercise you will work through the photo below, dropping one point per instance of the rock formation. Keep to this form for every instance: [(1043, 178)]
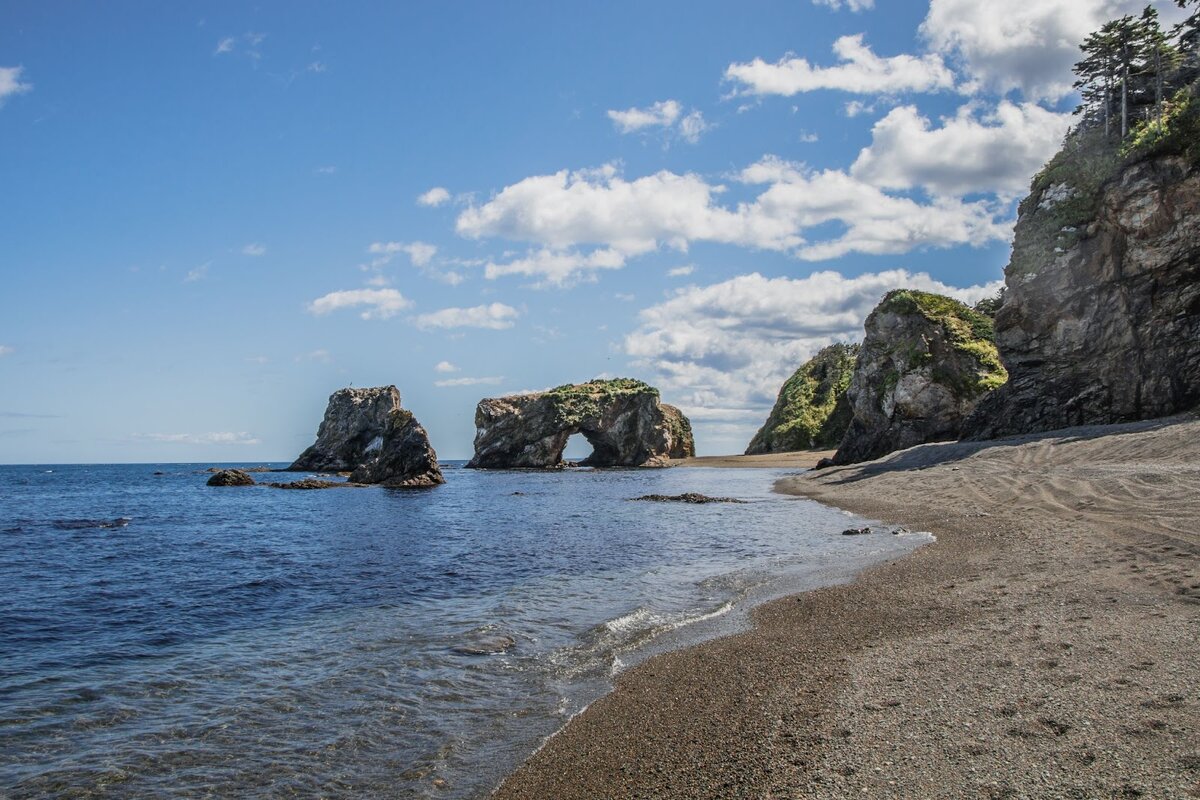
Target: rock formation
[(365, 432), (1101, 315), (812, 409), (622, 419), (230, 477), (924, 363)]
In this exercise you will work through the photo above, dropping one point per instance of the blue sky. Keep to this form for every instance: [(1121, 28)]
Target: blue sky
[(214, 215)]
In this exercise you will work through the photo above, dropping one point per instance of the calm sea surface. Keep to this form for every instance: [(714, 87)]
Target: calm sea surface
[(161, 638)]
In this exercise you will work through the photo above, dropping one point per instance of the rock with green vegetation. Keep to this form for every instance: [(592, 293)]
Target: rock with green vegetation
[(365, 432), (925, 362), (812, 409), (623, 420), (1101, 315)]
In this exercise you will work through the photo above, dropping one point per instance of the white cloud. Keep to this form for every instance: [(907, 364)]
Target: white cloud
[(854, 5), (445, 367), (623, 218), (692, 127), (860, 71), (326, 170), (434, 197), (681, 272), (659, 115), (223, 437), (197, 273), (320, 355), (1030, 46), (468, 381), (380, 303), (726, 348), (226, 45), (11, 83), (6, 350), (496, 316), (996, 153), (254, 249), (317, 67), (420, 253)]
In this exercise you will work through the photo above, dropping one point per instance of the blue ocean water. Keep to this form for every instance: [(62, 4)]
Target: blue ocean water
[(163, 638)]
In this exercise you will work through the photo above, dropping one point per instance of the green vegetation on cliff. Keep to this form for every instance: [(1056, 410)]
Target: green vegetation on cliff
[(812, 410), (578, 401)]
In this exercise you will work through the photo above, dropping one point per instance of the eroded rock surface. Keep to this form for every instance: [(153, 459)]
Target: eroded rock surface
[(365, 432), (1101, 316), (230, 477), (812, 409), (622, 419), (924, 364)]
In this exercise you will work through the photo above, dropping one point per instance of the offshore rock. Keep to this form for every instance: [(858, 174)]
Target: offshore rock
[(365, 432), (230, 477), (924, 363), (1101, 315), (622, 419), (812, 409)]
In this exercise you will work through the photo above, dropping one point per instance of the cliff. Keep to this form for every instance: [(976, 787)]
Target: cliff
[(1101, 316), (367, 433), (622, 419), (812, 409), (924, 364)]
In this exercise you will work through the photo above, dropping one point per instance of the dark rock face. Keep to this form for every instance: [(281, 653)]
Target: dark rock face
[(924, 363), (230, 477), (1101, 323), (812, 409), (622, 419), (365, 432)]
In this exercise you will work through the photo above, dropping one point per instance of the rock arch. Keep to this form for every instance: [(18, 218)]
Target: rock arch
[(622, 419)]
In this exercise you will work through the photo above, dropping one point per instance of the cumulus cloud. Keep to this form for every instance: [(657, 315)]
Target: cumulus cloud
[(434, 197), (11, 83), (854, 5), (197, 273), (860, 71), (445, 367), (724, 350), (379, 303), (681, 272), (1030, 46), (494, 316), (254, 249), (659, 115), (967, 153), (568, 210), (222, 437), (420, 253), (468, 381)]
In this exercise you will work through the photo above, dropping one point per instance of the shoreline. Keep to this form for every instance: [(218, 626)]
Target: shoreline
[(799, 459), (1044, 645)]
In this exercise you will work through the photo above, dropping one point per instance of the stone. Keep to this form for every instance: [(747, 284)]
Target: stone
[(1100, 323), (365, 432), (856, 531), (622, 419), (687, 497), (311, 483), (812, 409), (925, 362), (230, 477)]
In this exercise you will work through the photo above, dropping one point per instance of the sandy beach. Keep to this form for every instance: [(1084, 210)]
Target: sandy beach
[(802, 459), (1045, 646)]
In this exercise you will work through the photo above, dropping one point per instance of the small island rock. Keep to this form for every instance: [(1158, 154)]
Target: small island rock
[(230, 477)]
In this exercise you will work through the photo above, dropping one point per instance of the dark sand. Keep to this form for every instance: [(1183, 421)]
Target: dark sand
[(1045, 646)]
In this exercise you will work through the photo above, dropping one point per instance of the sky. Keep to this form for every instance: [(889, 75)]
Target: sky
[(213, 215)]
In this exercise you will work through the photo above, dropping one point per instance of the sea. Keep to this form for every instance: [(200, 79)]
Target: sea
[(163, 638)]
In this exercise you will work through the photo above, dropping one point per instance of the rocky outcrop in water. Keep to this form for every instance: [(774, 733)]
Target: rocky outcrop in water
[(622, 419), (365, 432), (230, 477), (924, 363), (812, 409), (1101, 315)]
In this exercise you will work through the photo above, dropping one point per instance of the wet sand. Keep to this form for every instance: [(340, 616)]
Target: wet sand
[(1045, 646), (800, 459)]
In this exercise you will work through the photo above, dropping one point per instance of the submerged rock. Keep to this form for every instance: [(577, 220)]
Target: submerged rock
[(687, 497), (231, 477), (622, 419), (368, 434), (924, 363), (311, 483), (83, 524), (812, 409)]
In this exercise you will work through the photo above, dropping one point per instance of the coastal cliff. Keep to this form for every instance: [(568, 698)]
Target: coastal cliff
[(365, 432), (622, 419), (1100, 321), (812, 409), (924, 364)]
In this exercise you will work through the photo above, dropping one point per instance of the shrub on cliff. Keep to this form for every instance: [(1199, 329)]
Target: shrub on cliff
[(812, 409)]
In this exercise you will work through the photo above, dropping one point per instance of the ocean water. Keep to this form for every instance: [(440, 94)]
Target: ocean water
[(163, 638)]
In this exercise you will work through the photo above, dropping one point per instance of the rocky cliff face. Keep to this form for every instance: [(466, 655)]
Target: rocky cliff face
[(812, 409), (622, 419), (924, 363), (367, 433), (1101, 316)]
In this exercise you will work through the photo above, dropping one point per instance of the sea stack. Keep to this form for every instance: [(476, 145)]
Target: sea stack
[(623, 419), (924, 364), (812, 409), (365, 432)]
